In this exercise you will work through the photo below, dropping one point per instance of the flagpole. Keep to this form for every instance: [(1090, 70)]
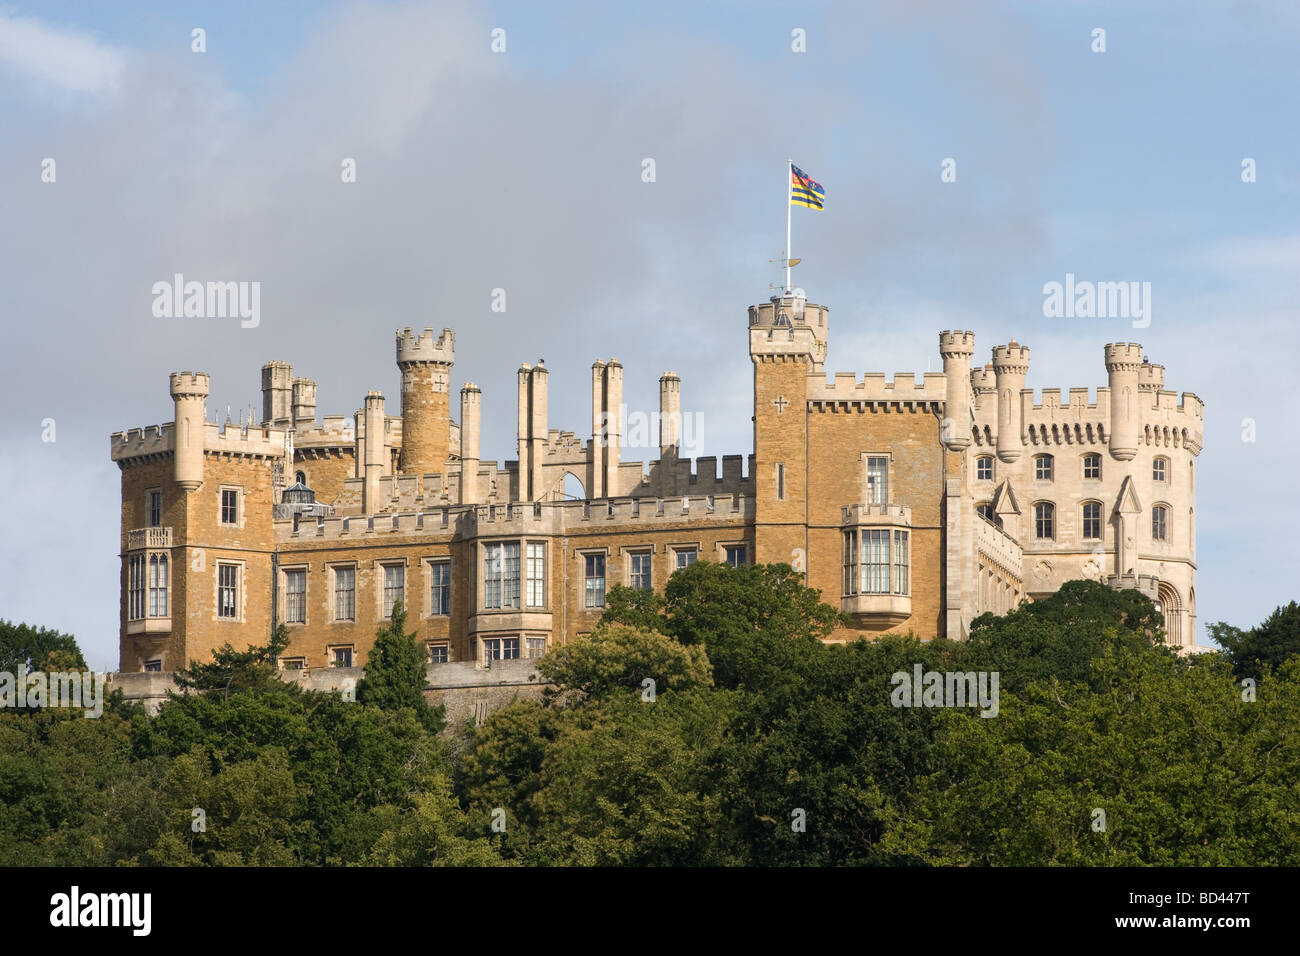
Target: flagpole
[(788, 194)]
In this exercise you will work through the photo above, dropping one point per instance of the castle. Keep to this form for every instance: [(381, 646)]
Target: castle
[(912, 506)]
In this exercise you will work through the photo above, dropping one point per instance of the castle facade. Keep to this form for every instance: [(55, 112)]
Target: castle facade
[(912, 506)]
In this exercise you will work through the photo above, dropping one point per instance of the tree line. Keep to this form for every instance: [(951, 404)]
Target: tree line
[(707, 725)]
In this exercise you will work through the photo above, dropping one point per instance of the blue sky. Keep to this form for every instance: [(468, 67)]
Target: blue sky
[(522, 171)]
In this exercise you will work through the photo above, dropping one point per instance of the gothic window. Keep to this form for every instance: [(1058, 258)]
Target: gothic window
[(1160, 523), (1091, 520), (1044, 521)]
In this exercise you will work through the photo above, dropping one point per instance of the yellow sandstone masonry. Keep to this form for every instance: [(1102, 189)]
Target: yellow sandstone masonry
[(913, 503)]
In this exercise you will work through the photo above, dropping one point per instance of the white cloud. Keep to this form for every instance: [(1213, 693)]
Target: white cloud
[(67, 59)]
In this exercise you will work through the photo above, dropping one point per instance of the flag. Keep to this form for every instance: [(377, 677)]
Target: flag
[(804, 191)]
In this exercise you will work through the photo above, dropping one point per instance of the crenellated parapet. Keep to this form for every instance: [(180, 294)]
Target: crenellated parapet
[(234, 441), (142, 443), (876, 389), (519, 518), (788, 328), (422, 348)]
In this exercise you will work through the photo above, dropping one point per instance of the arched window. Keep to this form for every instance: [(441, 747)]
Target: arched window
[(984, 468), (300, 477), (1160, 469), (1160, 523), (1092, 465), (1172, 611), (1043, 467), (1092, 520), (1044, 521)]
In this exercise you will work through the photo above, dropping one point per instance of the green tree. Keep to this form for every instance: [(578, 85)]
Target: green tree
[(395, 673), (24, 648), (231, 671), (1270, 644), (618, 658), (1061, 635)]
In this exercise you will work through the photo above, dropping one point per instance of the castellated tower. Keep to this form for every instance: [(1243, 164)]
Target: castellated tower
[(277, 392), (787, 344), (304, 402), (189, 394), (1010, 366), (426, 380), (957, 349), (1123, 365)]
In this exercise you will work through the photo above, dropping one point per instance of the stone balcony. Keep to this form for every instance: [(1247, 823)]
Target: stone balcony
[(141, 538)]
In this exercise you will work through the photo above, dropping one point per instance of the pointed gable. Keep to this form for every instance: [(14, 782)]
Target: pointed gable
[(1126, 502)]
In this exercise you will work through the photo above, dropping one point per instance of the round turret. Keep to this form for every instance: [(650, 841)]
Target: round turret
[(426, 364), (1010, 366), (956, 348), (1123, 367), (189, 392)]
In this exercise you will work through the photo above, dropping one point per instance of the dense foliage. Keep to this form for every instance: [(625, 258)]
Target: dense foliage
[(709, 725)]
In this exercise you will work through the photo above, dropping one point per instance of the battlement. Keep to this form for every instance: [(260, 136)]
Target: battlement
[(874, 387), (1126, 356), (667, 510), (137, 442), (1051, 399), (956, 343), (1012, 357), (256, 441), (866, 514), (539, 517), (788, 311), (983, 380), (1151, 378), (333, 430), (190, 384), (425, 348)]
